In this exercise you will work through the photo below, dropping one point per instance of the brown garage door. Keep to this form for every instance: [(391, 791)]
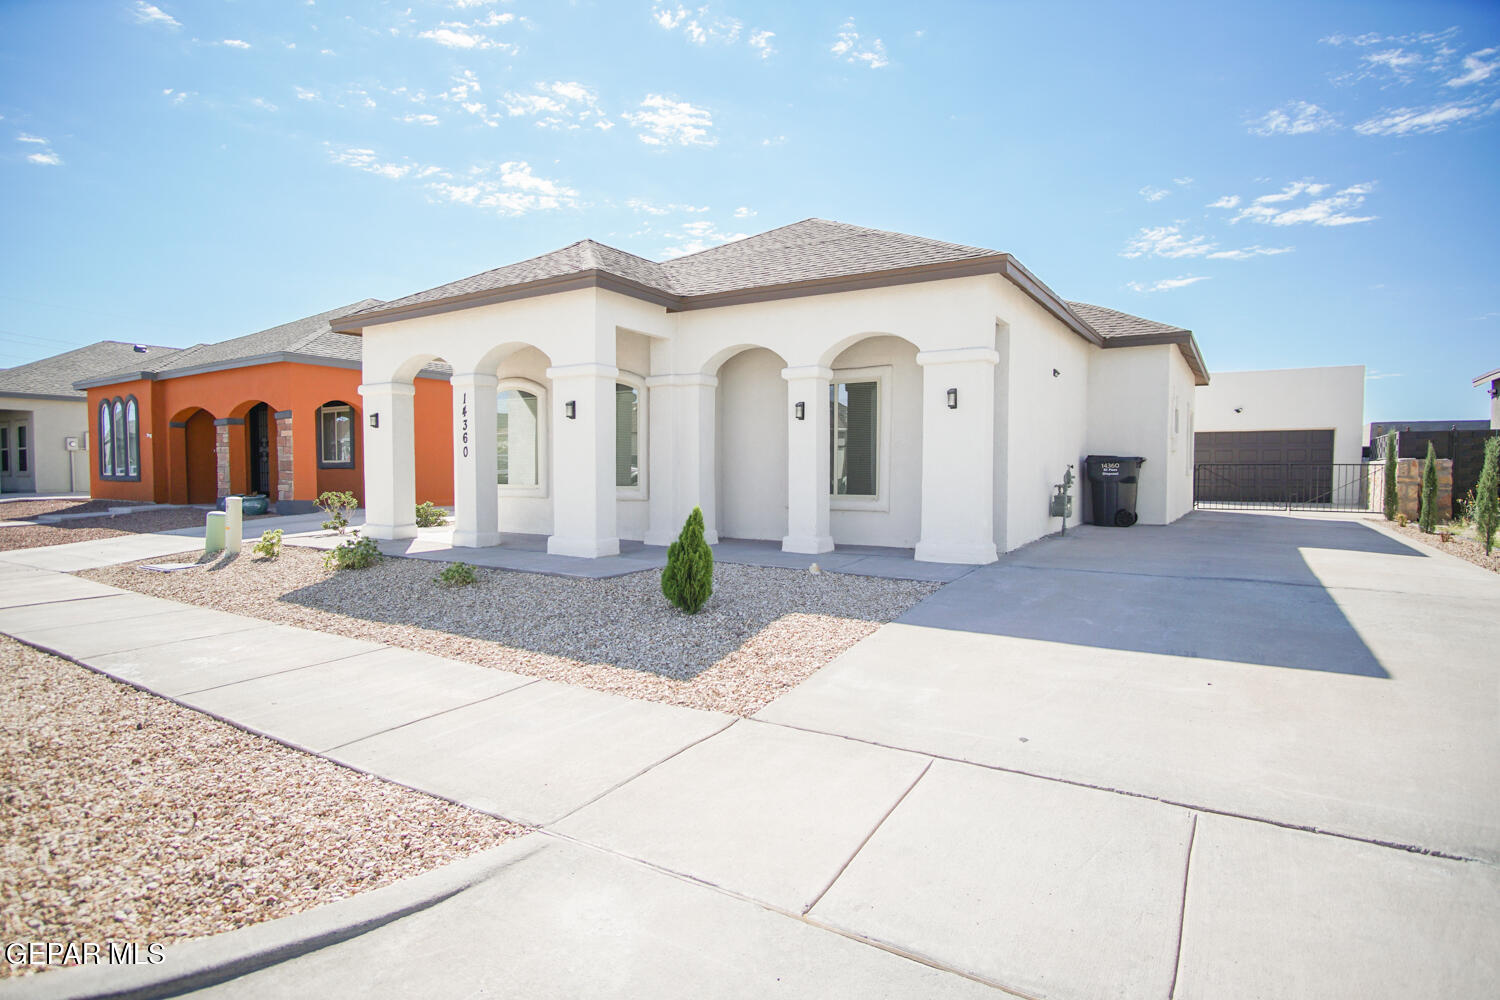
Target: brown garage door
[(1263, 467)]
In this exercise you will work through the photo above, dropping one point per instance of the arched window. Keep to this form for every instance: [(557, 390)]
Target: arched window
[(106, 442), (118, 408), (520, 437), (132, 438), (336, 436), (630, 450)]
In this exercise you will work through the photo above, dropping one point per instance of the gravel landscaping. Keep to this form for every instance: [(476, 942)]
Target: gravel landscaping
[(20, 510), (126, 817), (88, 529), (761, 633), (1465, 545)]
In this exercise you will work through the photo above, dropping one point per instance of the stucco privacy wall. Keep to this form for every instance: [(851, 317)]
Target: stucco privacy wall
[(1289, 399), (1181, 418), (51, 421), (1129, 412)]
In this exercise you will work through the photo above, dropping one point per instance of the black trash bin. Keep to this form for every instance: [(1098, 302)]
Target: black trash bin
[(1113, 481)]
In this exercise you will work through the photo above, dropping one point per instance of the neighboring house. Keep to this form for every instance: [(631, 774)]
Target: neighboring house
[(1304, 422), (817, 384), (275, 413), (1491, 381), (44, 423)]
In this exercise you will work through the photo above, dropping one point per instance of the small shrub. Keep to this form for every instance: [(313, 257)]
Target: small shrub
[(353, 554), (1401, 520), (269, 545), (457, 574), (1486, 507), (1428, 519), (688, 580), (337, 506), (430, 515), (1392, 501)]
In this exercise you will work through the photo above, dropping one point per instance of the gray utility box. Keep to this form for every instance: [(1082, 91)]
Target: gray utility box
[(1062, 505)]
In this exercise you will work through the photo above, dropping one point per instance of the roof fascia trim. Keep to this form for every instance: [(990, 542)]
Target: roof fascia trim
[(1184, 341)]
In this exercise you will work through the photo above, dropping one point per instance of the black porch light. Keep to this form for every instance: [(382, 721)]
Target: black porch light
[(374, 420), (952, 399), (801, 409), (570, 409)]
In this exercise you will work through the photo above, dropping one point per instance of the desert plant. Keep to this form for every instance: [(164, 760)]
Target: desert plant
[(1486, 508), (353, 554), (1401, 520), (430, 515), (1392, 501), (459, 574), (337, 506), (688, 579), (269, 545), (1428, 519)]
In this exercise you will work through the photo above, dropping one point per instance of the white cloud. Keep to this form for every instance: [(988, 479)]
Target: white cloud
[(558, 105), (1182, 181), (235, 43), (23, 137), (1166, 241), (263, 104), (775, 140), (1477, 68), (1333, 210), (1398, 60), (411, 119), (454, 35), (848, 46), (1293, 118), (1166, 284), (700, 26), (1422, 121), (43, 156), (761, 41), (149, 13), (510, 189), (1153, 194), (1228, 201), (368, 161), (645, 207), (697, 236), (665, 122), (178, 96), (744, 213), (303, 94), (1248, 253)]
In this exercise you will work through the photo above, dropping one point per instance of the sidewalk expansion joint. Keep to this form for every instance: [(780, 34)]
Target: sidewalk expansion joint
[(424, 718), (873, 830), (278, 673), (1187, 870)]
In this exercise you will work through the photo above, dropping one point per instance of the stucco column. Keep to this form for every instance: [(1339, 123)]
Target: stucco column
[(583, 461), (682, 455), (476, 500), (390, 460), (808, 458), (958, 456)]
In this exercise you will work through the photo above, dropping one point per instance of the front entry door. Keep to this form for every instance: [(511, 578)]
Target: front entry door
[(257, 426), (16, 475)]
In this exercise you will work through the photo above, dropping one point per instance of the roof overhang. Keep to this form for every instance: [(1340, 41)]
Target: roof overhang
[(276, 357), (1185, 342), (60, 397), (1487, 377)]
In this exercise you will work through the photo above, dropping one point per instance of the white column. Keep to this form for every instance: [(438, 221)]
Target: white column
[(808, 458), (390, 460), (682, 414), (583, 461), (476, 501), (958, 456)]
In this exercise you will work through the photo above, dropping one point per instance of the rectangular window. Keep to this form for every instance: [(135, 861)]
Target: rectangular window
[(854, 433), (4, 449), (516, 439), (336, 435), (627, 436), (21, 448)]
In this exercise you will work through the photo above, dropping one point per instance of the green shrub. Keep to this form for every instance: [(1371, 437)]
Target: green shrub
[(457, 574), (1392, 501), (1428, 520), (688, 579), (269, 545), (430, 515), (353, 554), (337, 506), (1486, 507)]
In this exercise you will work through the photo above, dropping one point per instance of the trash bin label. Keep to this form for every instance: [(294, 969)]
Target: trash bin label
[(1109, 468)]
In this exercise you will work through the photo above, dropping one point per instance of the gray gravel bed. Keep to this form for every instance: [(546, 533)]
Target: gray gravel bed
[(762, 632)]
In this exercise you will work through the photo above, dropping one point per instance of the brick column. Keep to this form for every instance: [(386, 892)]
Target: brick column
[(221, 454), (285, 471)]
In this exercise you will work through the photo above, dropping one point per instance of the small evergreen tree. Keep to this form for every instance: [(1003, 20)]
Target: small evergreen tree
[(1486, 509), (1428, 520), (688, 579), (1392, 501)]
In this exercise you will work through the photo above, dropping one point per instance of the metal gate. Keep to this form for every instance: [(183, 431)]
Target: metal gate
[(1281, 486)]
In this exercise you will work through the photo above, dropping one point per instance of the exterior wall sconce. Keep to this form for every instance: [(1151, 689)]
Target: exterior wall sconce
[(801, 410), (374, 420), (952, 399), (1239, 409), (570, 409), (1056, 373)]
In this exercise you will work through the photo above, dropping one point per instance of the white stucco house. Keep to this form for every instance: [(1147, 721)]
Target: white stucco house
[(818, 384)]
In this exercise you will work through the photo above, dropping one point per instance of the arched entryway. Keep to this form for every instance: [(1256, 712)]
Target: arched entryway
[(751, 446), (191, 457)]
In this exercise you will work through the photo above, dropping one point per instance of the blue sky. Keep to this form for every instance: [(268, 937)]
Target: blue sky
[(1299, 184)]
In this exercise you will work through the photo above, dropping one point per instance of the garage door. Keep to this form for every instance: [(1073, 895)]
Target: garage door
[(1278, 467)]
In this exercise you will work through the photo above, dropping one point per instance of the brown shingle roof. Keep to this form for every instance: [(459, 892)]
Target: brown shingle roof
[(1113, 323), (55, 376)]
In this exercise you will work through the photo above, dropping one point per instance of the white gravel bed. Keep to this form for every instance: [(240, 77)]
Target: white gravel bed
[(126, 817), (762, 632)]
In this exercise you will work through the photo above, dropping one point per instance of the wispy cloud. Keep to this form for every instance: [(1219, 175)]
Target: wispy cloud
[(1293, 118), (1168, 242), (1277, 209), (1166, 284), (1422, 121), (418, 119), (761, 42), (41, 153), (1248, 252), (1478, 67), (744, 213), (178, 96), (235, 43), (1153, 193), (662, 121), (263, 104), (1228, 201), (699, 26), (510, 188), (558, 105), (466, 37), (693, 237), (849, 46), (645, 207), (149, 13), (1375, 375)]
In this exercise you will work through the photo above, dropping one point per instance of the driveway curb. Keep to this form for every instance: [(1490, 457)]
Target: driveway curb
[(194, 965)]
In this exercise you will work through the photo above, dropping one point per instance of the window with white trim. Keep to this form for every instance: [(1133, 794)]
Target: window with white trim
[(518, 438), (336, 436), (630, 452), (854, 437)]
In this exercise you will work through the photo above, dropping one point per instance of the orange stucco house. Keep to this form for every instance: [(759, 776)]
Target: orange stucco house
[(276, 413)]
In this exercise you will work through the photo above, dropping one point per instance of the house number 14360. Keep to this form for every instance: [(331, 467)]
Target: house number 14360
[(464, 423)]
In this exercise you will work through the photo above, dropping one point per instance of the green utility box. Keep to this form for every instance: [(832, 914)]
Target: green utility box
[(213, 535)]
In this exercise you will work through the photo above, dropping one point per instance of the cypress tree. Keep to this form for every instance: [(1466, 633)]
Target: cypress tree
[(1486, 504), (688, 579), (1392, 501), (1429, 491)]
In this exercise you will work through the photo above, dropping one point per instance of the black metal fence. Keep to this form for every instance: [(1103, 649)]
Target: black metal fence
[(1281, 486)]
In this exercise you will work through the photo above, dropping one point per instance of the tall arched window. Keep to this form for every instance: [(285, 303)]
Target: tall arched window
[(132, 438), (119, 439), (630, 451), (119, 436), (106, 442)]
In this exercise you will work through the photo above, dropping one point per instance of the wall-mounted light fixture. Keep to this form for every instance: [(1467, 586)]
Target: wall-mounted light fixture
[(570, 409), (374, 420), (1056, 373), (952, 399), (1239, 409), (801, 411)]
